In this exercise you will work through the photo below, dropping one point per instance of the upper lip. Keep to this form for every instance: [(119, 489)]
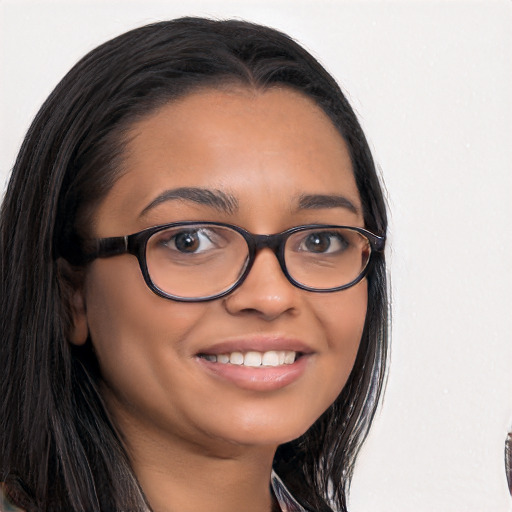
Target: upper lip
[(257, 343)]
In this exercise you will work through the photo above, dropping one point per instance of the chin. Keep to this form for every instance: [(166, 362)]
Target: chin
[(268, 430)]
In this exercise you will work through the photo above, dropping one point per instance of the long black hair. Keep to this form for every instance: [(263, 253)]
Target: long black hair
[(59, 450)]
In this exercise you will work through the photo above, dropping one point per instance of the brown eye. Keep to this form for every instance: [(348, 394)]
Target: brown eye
[(317, 242), (323, 242), (186, 241), (191, 241)]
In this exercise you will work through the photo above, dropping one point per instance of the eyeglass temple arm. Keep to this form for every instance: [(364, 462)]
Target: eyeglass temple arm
[(378, 242), (105, 247)]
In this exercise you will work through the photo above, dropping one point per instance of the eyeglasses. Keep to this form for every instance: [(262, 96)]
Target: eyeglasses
[(200, 261)]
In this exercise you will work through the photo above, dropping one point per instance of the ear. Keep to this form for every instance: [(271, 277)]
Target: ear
[(79, 329), (71, 281)]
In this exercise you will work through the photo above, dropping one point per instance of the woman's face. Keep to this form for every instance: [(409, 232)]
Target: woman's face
[(281, 163)]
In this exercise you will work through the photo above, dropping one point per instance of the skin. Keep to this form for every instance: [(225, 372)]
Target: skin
[(198, 442)]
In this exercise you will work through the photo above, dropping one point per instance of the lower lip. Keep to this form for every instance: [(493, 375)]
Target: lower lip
[(263, 378)]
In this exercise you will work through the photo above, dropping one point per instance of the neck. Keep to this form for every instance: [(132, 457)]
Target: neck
[(178, 482), (177, 476)]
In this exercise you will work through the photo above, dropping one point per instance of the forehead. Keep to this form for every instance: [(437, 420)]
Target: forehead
[(265, 148)]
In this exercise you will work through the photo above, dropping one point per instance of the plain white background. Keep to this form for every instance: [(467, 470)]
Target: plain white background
[(431, 82)]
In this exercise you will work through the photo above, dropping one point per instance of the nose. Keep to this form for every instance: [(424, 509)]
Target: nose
[(266, 292)]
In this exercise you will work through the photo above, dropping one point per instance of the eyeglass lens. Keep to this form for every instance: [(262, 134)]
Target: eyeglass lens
[(202, 260)]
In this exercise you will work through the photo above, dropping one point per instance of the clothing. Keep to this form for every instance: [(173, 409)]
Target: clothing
[(286, 501), (5, 506)]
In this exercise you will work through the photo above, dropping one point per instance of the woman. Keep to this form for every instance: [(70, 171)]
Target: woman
[(184, 321)]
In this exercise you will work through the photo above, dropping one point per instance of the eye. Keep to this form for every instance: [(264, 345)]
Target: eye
[(191, 241), (323, 242)]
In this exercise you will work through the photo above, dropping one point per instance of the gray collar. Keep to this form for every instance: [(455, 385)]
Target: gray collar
[(286, 501)]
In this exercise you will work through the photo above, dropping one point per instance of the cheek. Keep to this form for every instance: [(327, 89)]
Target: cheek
[(131, 328), (342, 315)]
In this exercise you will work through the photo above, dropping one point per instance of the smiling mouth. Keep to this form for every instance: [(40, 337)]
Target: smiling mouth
[(254, 359)]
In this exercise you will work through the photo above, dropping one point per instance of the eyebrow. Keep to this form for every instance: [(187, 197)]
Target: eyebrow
[(213, 198), (319, 201)]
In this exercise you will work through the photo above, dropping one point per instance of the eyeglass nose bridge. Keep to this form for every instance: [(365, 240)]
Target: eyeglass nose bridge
[(274, 242)]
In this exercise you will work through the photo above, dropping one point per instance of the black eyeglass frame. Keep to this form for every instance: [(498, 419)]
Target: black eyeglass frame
[(136, 244)]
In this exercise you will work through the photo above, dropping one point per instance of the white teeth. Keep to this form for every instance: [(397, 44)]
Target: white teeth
[(254, 359), (289, 357), (236, 358), (270, 358), (223, 358)]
